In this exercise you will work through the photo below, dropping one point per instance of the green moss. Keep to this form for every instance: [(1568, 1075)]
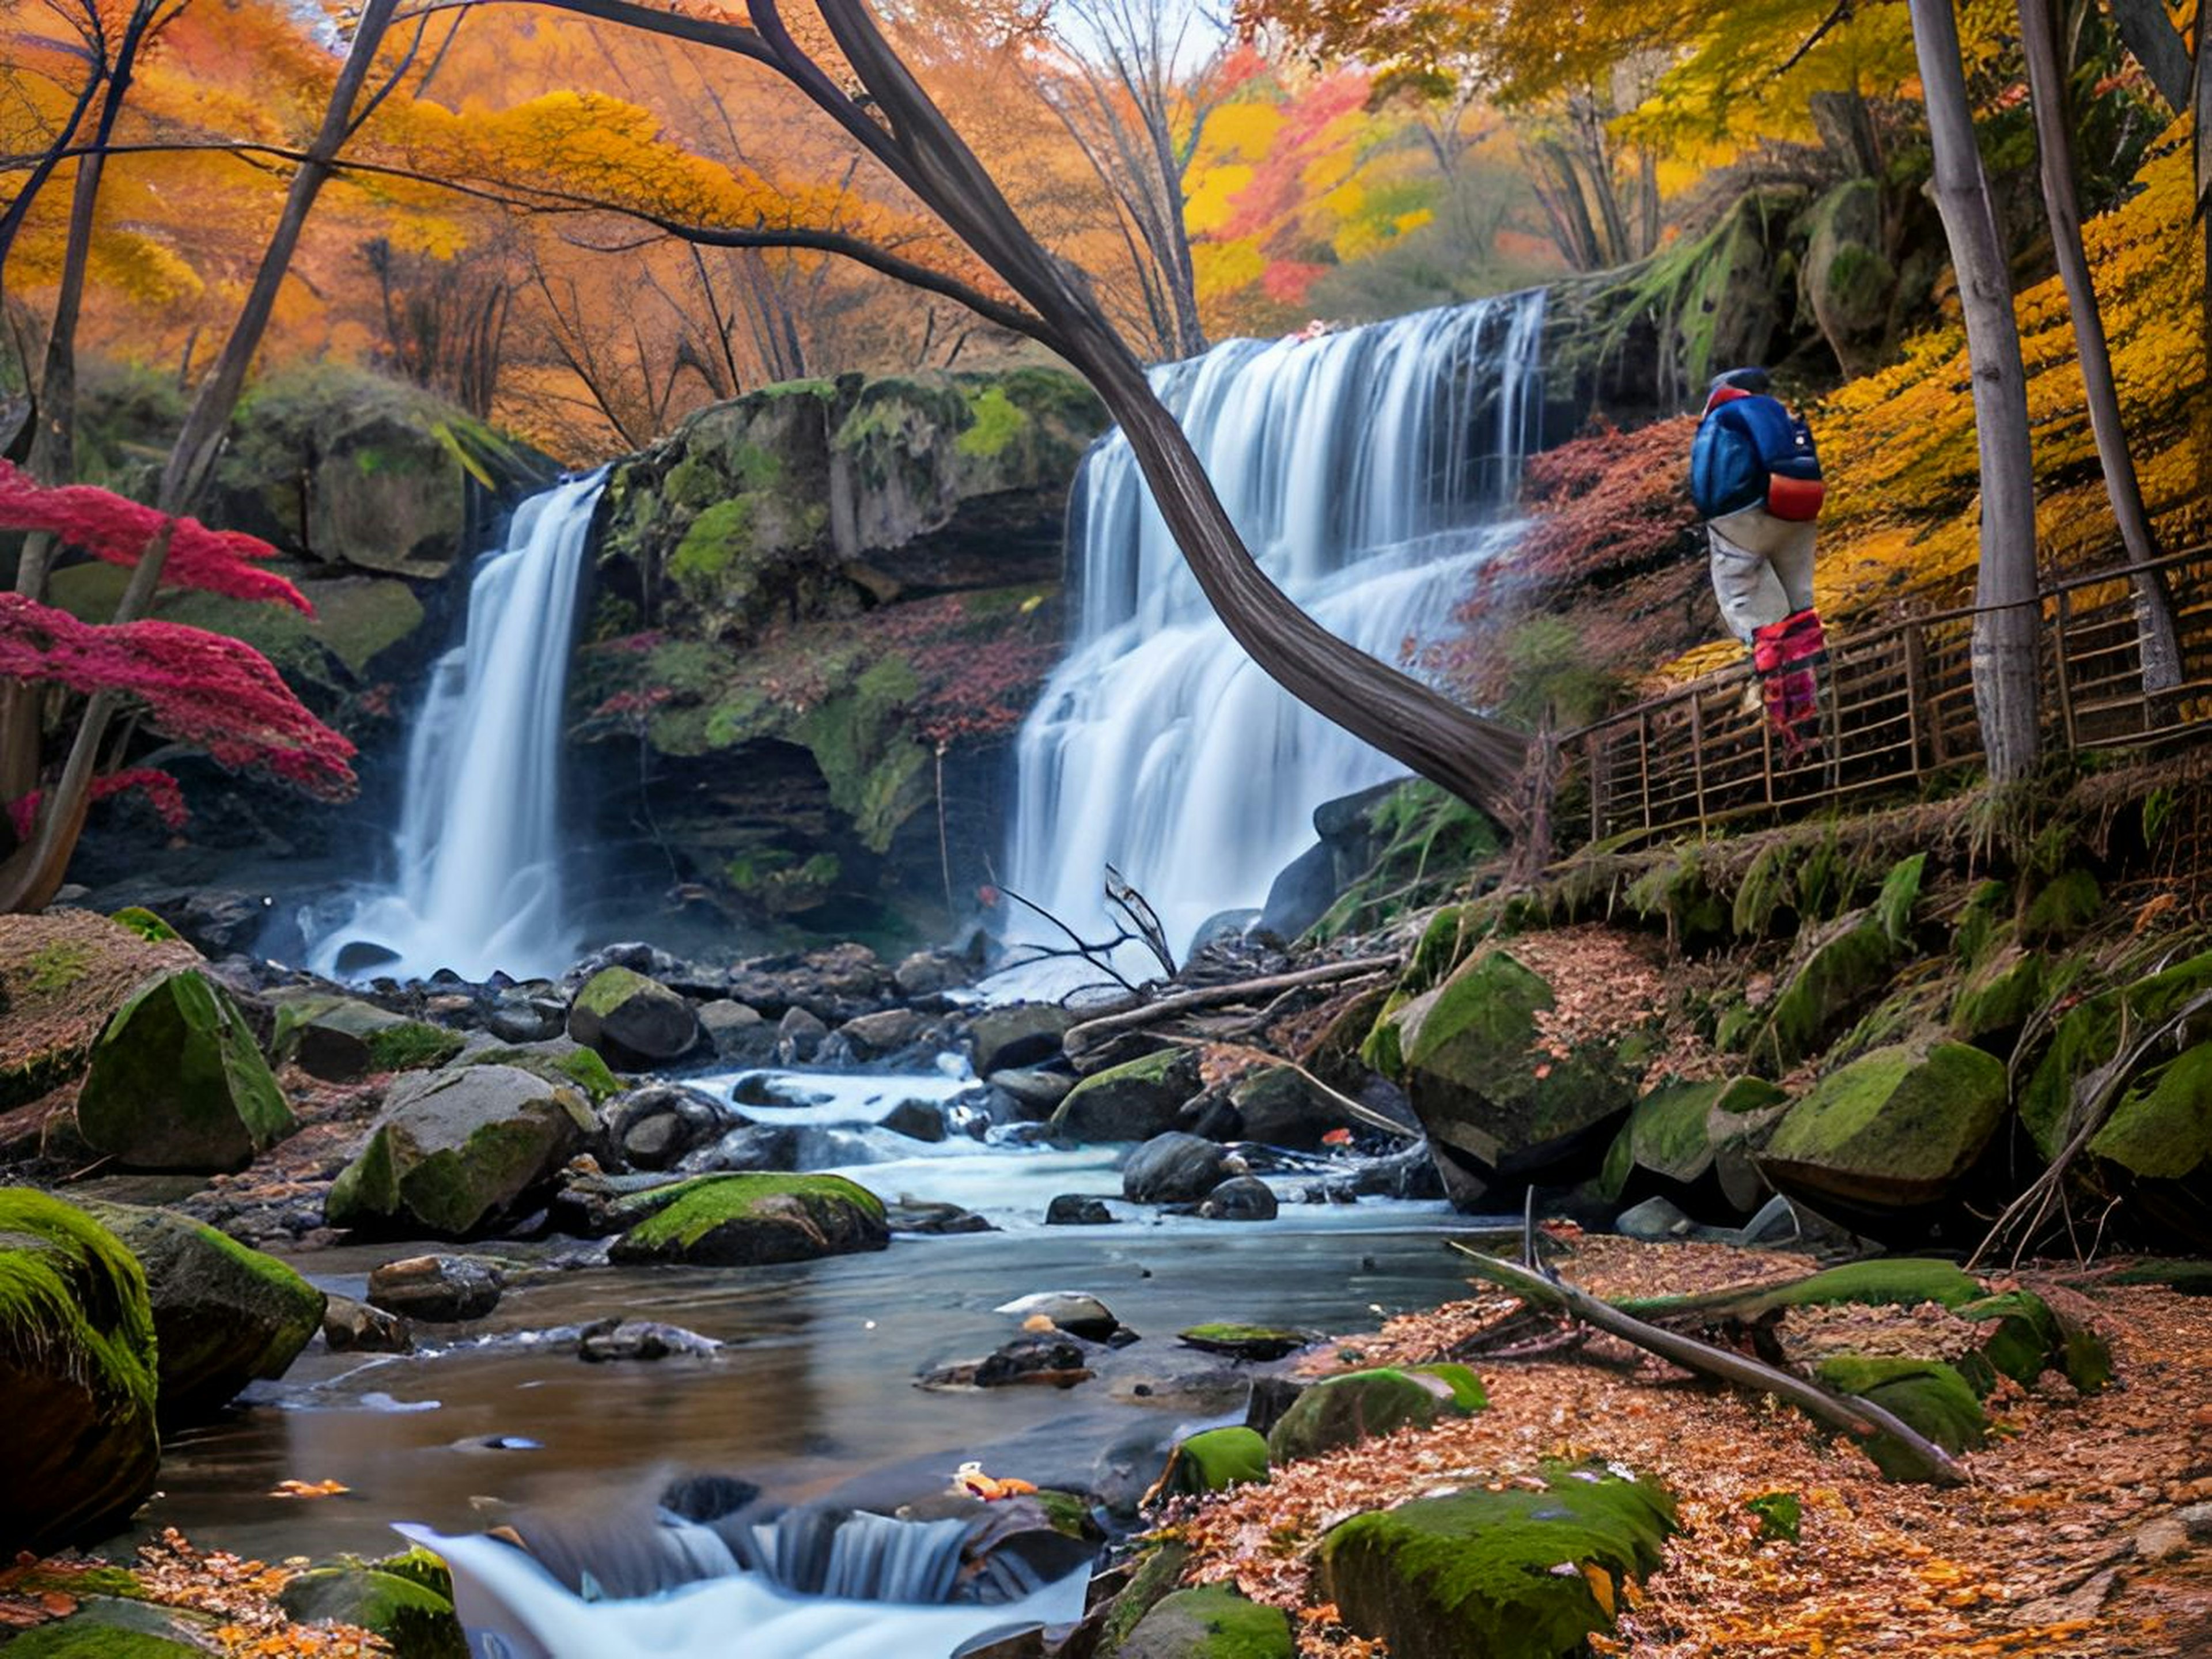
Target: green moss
[(997, 422), (1667, 1131), (144, 923), (1896, 1127), (2023, 1341), (1979, 921), (1067, 1513), (749, 1218), (58, 967), (1763, 892), (1927, 1395), (72, 1298), (1212, 1621), (2063, 909), (1344, 1410), (718, 539), (2089, 1037), (1779, 1513), (1841, 976), (579, 1066), (1999, 996), (417, 1620), (611, 988), (1468, 1393), (1477, 1575), (412, 1045), (82, 1638), (1157, 1575), (176, 1081), (1900, 893), (419, 1567), (2163, 1131), (1214, 1461)]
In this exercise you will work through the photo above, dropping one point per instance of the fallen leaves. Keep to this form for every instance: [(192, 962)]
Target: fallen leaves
[(309, 1489)]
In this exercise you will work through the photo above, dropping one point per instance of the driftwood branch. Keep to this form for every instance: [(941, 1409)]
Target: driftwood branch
[(1358, 1111), (1860, 1419), (1094, 1031)]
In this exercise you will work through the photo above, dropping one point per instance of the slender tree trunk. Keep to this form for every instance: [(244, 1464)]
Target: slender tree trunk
[(2158, 640), (2008, 622), (2149, 35), (32, 875)]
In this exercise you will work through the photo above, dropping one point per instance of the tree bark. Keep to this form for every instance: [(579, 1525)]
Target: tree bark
[(2158, 640), (2008, 617), (2150, 36)]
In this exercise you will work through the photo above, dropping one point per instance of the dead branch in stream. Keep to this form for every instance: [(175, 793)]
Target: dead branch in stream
[(1356, 1110), (1860, 1419), (1092, 1032)]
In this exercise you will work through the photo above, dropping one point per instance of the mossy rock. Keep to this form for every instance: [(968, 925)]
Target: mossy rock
[(1999, 997), (77, 1370), (636, 1021), (144, 923), (416, 1619), (456, 1152), (1159, 1570), (1254, 1342), (1209, 1621), (1884, 1281), (576, 1065), (340, 1038), (1928, 1395), (1213, 1461), (1673, 1135), (1982, 923), (2163, 1131), (2028, 1336), (1342, 1411), (2065, 907), (2089, 1036), (1467, 1057), (1134, 1101), (751, 1220), (176, 1082), (1844, 974), (224, 1314), (1892, 1130), (1477, 1575), (86, 1638), (63, 975)]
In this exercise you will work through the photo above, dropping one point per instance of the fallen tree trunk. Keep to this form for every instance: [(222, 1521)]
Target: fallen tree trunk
[(1092, 1032), (1860, 1419)]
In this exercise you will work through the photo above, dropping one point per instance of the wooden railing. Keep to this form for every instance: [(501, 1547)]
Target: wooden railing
[(1896, 704)]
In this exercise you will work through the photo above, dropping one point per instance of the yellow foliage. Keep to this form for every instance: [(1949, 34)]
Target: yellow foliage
[(1213, 196)]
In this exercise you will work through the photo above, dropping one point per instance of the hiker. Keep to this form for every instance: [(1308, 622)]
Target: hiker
[(1755, 478)]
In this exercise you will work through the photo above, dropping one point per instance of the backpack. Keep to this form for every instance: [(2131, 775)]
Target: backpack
[(1752, 451)]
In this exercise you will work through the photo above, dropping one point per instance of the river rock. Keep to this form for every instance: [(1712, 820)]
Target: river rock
[(176, 1082), (932, 1218), (529, 1012), (636, 1022), (1036, 1093), (1174, 1168), (917, 1120), (640, 1338), (1893, 1129), (1258, 1343), (1343, 1410), (873, 1036), (1018, 1034), (1052, 1361), (1134, 1101), (1077, 1210), (1240, 1198), (749, 1220), (457, 1152), (223, 1315), (1077, 1312), (348, 1325), (798, 1035), (339, 1039), (755, 1148), (927, 972), (736, 1030), (1214, 1460), (1693, 1143), (1281, 1106), (1469, 1056), (654, 1125), (407, 1605), (437, 1289), (1446, 1577), (77, 1370), (1210, 1621)]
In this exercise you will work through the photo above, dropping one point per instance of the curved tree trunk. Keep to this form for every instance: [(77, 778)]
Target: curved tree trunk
[(2158, 640), (2009, 615)]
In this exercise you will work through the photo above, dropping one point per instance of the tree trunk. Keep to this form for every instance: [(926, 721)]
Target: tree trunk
[(2149, 34), (2009, 615), (2158, 640)]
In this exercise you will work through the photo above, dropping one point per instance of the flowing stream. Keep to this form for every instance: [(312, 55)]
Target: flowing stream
[(1368, 472), (478, 887)]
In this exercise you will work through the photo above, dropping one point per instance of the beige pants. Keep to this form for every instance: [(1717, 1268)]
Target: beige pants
[(1762, 568)]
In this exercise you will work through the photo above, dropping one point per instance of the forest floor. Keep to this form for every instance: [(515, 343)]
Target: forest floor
[(2067, 1543)]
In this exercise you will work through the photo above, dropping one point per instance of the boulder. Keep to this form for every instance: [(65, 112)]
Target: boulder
[(655, 1125), (1240, 1198), (557, 1061), (223, 1315), (1076, 1312), (927, 972), (457, 1152), (176, 1082), (1928, 1394), (1845, 971), (1846, 278), (1134, 1101), (1016, 1034), (1258, 1343), (77, 1370), (410, 1609), (754, 1148), (2156, 1147), (2089, 1036), (1036, 1093), (1466, 1053), (1344, 1410), (1892, 1130), (1509, 1574), (1210, 1621), (798, 1035), (633, 1021), (1671, 1144), (1077, 1210), (1281, 1106), (348, 1324), (932, 1219), (1999, 997), (607, 1340), (1213, 1461), (1174, 1168), (737, 1030), (437, 1289), (339, 1039), (529, 1012), (749, 1220), (873, 1035), (917, 1120)]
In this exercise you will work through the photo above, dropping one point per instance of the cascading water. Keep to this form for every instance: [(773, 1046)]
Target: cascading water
[(479, 842), (1366, 470)]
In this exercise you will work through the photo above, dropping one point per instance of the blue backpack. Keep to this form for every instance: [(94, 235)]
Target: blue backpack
[(1752, 451)]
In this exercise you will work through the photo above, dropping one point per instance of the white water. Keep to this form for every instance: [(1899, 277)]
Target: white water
[(479, 842), (1367, 471)]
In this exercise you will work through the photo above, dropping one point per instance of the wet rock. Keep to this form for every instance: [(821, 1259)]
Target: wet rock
[(1258, 1343), (912, 1215), (798, 1035), (1692, 1143), (176, 1082), (1211, 1117), (1654, 1221), (653, 1126), (1343, 1410), (1241, 1198), (705, 1497), (224, 1315), (458, 1151), (917, 1120), (77, 1370), (736, 1030), (834, 984), (1020, 1034), (1213, 1461), (1076, 1210), (748, 1220), (755, 1148), (1134, 1100), (925, 973), (1036, 1093), (640, 1338), (409, 1608), (1211, 1621), (437, 1289), (1076, 1312), (339, 1039), (1281, 1106), (1409, 1173), (1049, 1361), (873, 1035), (1175, 1169), (636, 1022), (348, 1324), (530, 1013)]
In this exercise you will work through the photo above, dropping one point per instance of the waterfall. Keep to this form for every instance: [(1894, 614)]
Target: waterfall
[(1368, 472), (479, 846)]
